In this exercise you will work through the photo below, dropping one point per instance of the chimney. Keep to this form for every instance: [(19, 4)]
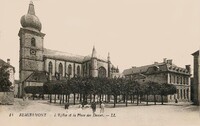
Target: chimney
[(155, 62), (169, 62), (8, 61), (188, 68), (165, 60)]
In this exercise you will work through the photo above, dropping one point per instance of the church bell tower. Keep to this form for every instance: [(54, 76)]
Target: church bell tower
[(31, 46)]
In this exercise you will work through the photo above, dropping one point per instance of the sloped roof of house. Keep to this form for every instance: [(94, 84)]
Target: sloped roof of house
[(3, 63), (142, 69), (196, 53), (161, 67)]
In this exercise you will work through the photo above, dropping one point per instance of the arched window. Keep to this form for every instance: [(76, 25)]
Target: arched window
[(33, 42), (78, 71), (50, 67), (69, 69), (60, 69), (102, 72)]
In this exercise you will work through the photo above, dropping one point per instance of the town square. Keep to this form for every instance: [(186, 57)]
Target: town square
[(100, 62)]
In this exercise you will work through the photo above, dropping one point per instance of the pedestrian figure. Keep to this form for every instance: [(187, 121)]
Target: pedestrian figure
[(176, 100), (66, 105), (93, 106), (102, 107)]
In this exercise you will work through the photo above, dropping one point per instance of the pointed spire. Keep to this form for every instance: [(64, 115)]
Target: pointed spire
[(94, 53), (31, 9), (108, 58)]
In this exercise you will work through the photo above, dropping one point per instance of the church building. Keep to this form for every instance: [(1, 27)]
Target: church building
[(38, 64)]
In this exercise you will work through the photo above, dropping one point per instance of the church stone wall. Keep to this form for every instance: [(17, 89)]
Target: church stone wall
[(47, 66), (103, 64), (32, 65), (76, 65), (27, 41), (26, 52), (72, 64), (57, 66)]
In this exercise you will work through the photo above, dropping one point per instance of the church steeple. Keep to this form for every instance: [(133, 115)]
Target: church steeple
[(109, 65), (30, 20), (31, 9), (94, 53), (94, 67), (108, 58)]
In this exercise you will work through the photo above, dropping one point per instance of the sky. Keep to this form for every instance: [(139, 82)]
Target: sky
[(135, 32)]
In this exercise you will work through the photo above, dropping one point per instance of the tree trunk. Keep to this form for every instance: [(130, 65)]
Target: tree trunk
[(33, 97), (133, 98), (115, 99), (74, 98), (90, 98), (100, 98), (94, 97), (137, 99), (126, 100), (68, 97), (50, 98), (154, 99), (55, 98), (147, 99), (162, 99), (86, 98), (63, 98), (60, 97)]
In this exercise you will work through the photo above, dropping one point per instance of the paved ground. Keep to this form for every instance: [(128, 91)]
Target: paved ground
[(32, 113)]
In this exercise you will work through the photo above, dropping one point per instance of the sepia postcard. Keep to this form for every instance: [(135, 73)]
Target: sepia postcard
[(100, 62)]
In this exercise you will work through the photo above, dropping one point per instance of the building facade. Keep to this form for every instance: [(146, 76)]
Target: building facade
[(11, 71), (38, 64), (165, 72), (195, 85)]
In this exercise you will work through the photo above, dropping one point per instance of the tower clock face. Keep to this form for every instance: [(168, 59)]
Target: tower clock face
[(32, 52)]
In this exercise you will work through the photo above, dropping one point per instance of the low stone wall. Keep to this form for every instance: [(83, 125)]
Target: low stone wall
[(7, 98)]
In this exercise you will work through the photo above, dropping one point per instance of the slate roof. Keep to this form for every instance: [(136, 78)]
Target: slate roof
[(37, 76), (3, 63), (68, 56), (135, 70), (62, 55), (161, 68)]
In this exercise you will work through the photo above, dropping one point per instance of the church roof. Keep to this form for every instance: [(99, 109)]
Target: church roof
[(62, 55), (68, 56)]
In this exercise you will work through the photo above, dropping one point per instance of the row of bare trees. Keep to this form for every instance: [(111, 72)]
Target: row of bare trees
[(105, 89)]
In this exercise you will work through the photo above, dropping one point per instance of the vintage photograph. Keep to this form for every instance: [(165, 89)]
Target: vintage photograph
[(100, 62)]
